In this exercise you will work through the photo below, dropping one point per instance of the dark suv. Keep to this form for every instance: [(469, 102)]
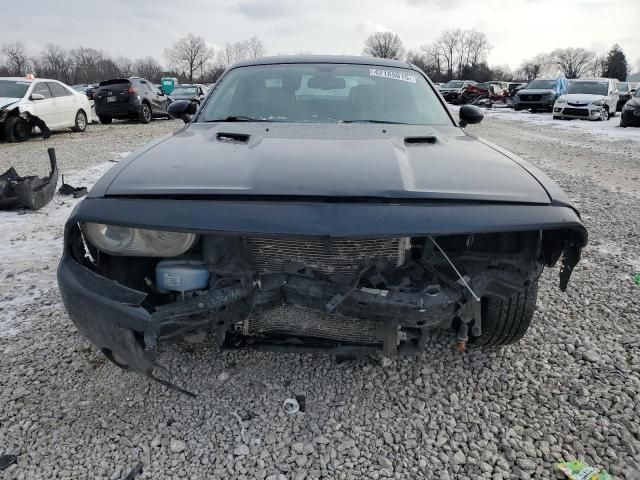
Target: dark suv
[(129, 98)]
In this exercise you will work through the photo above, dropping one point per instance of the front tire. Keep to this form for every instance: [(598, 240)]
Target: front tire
[(506, 321), (145, 113), (80, 124), (16, 129)]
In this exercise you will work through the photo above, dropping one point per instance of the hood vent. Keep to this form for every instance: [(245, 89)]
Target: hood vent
[(232, 137), (417, 141)]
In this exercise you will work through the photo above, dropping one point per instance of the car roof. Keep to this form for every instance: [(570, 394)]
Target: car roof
[(595, 80), (345, 59)]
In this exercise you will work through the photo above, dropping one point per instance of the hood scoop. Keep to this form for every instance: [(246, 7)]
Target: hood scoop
[(417, 141), (232, 137)]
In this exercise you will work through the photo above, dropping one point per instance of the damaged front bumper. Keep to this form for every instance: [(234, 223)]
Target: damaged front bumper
[(28, 192), (128, 325)]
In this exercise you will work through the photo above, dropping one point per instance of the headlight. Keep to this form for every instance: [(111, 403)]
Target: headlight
[(138, 242), (598, 103), (561, 100)]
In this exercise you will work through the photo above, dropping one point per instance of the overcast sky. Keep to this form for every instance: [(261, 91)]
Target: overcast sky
[(517, 29)]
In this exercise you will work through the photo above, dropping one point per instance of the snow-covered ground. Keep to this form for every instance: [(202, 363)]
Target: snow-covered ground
[(606, 130)]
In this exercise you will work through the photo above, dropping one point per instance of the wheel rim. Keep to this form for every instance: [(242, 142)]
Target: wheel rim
[(604, 115), (146, 113), (81, 121)]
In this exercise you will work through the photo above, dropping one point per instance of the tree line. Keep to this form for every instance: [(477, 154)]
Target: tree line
[(190, 59), (462, 54), (455, 53)]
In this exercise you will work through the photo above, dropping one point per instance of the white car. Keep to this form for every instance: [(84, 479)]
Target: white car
[(30, 102), (590, 99)]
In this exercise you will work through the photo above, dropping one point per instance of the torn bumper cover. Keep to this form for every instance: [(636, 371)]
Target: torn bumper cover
[(29, 192), (128, 323)]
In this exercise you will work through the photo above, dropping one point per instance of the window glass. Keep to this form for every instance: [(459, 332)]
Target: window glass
[(42, 89), (326, 93), (58, 90)]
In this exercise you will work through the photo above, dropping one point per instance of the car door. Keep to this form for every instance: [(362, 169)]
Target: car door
[(614, 95), (160, 97), (152, 94), (45, 109), (66, 105)]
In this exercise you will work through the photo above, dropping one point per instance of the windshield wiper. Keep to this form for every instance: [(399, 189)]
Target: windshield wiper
[(371, 121), (238, 118)]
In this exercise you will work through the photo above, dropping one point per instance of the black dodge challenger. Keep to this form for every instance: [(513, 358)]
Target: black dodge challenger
[(327, 204)]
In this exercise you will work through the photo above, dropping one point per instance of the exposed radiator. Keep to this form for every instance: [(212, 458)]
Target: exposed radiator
[(307, 322), (328, 256)]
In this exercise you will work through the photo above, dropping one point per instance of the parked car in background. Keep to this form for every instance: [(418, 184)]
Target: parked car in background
[(195, 92), (452, 90), (514, 87), (362, 220), (630, 116), (589, 99), (624, 94), (31, 102), (539, 94), (129, 98)]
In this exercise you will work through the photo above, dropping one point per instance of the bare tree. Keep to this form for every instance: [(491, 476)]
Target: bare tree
[(125, 66), (573, 62), (149, 68), (191, 54), (447, 45), (255, 47), (239, 51), (54, 62), (18, 60), (384, 45), (86, 63), (538, 66)]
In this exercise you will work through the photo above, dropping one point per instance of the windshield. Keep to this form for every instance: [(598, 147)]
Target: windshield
[(589, 88), (542, 84), (454, 84), (13, 88), (623, 87), (325, 93), (637, 94), (185, 91)]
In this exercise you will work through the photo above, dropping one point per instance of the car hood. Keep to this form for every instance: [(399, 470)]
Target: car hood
[(6, 101), (583, 98), (633, 102), (536, 91), (320, 160)]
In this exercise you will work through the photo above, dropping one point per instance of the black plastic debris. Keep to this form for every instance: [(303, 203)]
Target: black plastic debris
[(67, 189), (7, 460), (137, 470), (29, 192)]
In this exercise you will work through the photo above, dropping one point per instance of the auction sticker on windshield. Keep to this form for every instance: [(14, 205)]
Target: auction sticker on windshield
[(405, 77)]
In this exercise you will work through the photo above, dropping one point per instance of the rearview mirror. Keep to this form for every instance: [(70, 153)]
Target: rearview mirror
[(182, 109), (36, 96), (469, 115)]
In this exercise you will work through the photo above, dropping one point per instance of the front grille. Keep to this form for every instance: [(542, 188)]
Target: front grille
[(578, 112), (329, 256), (307, 322), (531, 98)]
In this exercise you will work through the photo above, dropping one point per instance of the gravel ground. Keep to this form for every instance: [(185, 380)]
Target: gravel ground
[(570, 389)]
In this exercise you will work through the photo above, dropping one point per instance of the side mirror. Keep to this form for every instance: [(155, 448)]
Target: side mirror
[(36, 96), (469, 115), (182, 109)]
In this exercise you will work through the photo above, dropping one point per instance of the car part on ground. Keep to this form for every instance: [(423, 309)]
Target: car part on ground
[(363, 236), (28, 192), (67, 189)]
